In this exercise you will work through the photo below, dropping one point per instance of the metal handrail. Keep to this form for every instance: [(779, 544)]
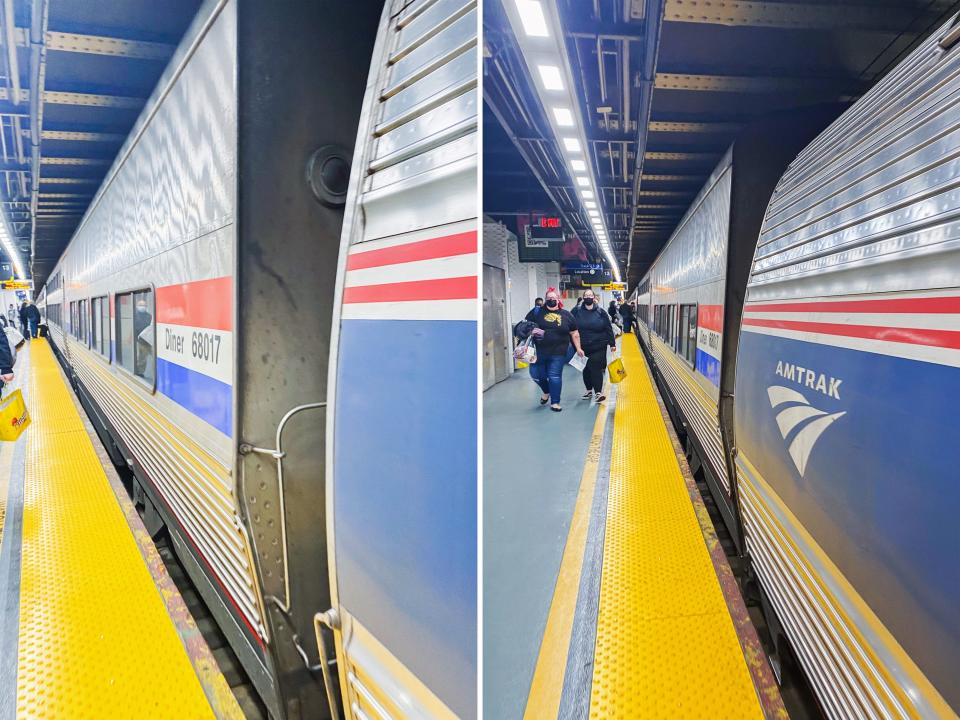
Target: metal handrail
[(278, 454)]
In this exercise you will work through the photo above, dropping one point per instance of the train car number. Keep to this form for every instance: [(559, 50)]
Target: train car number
[(205, 346)]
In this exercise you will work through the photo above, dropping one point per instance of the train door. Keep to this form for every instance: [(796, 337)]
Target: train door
[(489, 352), (499, 293), (401, 470), (494, 326)]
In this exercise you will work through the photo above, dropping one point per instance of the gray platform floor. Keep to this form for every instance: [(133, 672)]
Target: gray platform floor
[(532, 463)]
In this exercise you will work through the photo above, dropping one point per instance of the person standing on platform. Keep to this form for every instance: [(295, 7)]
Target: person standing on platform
[(556, 329), (629, 318), (33, 319), (535, 310), (596, 335), (612, 311), (24, 325)]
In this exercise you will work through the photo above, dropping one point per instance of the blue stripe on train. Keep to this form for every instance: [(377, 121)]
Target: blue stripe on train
[(708, 366), (209, 399), (405, 469), (881, 489)]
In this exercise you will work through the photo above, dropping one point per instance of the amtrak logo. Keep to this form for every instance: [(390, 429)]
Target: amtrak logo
[(797, 412)]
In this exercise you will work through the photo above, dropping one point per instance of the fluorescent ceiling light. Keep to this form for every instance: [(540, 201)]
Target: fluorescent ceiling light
[(571, 144), (578, 165), (583, 181), (563, 117), (531, 15), (590, 204), (550, 77), (10, 248), (587, 194), (593, 213)]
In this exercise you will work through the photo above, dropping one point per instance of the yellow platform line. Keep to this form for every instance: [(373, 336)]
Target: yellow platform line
[(95, 637), (666, 646), (546, 688)]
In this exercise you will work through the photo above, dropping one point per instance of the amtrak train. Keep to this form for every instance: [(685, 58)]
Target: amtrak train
[(253, 299), (803, 323)]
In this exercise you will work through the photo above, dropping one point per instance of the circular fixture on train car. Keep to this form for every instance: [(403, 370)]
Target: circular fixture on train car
[(328, 174)]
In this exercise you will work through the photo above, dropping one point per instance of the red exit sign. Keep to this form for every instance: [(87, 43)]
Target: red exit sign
[(549, 222)]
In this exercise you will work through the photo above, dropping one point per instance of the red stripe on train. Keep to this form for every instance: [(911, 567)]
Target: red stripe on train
[(459, 288), (441, 247), (938, 305), (911, 336), (203, 303), (710, 317)]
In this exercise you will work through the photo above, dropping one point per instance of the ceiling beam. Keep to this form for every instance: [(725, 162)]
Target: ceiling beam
[(59, 97), (73, 161), (69, 181), (744, 84), (680, 156), (99, 45), (792, 15), (693, 127), (79, 136)]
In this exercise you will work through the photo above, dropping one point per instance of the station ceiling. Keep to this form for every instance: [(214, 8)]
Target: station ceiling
[(75, 77), (664, 88)]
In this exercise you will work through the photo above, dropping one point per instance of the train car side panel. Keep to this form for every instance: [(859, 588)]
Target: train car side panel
[(847, 380), (403, 481)]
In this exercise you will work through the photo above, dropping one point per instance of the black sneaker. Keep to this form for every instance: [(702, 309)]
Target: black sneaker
[(600, 398), (587, 395)]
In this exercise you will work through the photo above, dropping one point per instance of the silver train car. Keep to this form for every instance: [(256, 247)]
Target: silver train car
[(196, 310), (840, 341), (688, 303)]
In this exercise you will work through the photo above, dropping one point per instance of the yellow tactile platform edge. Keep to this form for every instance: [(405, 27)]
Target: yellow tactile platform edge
[(666, 646), (95, 638)]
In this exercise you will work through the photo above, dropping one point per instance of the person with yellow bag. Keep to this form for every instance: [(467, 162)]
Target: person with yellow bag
[(615, 368), (596, 334), (14, 417)]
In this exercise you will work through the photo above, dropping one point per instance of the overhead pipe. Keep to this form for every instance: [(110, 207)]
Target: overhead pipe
[(653, 19), (13, 67), (38, 71), (10, 43)]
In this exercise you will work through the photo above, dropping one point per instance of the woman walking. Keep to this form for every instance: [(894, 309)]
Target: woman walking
[(556, 329), (596, 335)]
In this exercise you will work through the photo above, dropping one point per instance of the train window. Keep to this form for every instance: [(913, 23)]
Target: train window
[(688, 333), (100, 325), (135, 333), (73, 318), (82, 315), (53, 313)]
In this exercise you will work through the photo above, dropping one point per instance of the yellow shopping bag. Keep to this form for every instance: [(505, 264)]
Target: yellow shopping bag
[(14, 417), (616, 371)]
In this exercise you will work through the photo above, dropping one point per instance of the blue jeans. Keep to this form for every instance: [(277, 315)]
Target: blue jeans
[(33, 327), (547, 372)]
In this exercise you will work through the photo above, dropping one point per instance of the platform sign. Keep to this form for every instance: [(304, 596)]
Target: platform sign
[(583, 268), (546, 228), (616, 286), (600, 278), (16, 285)]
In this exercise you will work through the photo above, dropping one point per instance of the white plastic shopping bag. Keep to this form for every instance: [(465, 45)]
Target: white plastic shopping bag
[(579, 362), (526, 352)]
